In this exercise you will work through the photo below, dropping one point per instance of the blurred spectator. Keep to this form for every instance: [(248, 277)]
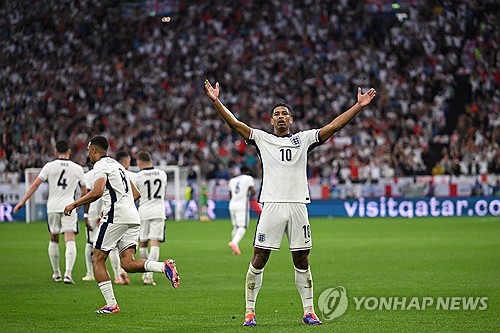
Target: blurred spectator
[(477, 189), (109, 68), (495, 189)]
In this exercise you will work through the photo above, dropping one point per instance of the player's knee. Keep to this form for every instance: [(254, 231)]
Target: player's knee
[(301, 260), (98, 258), (260, 258), (127, 260)]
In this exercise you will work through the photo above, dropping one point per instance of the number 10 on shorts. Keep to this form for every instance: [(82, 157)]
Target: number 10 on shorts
[(307, 233)]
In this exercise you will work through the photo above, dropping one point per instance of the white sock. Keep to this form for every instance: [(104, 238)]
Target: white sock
[(107, 291), (253, 284), (88, 259), (304, 283), (70, 257), (143, 252), (238, 235), (54, 257), (154, 253), (114, 259), (153, 266), (233, 232)]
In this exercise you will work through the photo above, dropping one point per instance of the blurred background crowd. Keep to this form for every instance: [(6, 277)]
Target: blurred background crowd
[(134, 72)]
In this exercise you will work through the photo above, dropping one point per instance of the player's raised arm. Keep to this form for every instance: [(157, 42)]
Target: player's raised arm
[(241, 128), (343, 119)]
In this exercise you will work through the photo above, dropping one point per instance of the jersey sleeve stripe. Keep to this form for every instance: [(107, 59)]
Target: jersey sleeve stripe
[(112, 194), (100, 237), (316, 144)]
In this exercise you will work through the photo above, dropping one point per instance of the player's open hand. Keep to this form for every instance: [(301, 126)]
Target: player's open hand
[(366, 98), (18, 206), (68, 209), (212, 92)]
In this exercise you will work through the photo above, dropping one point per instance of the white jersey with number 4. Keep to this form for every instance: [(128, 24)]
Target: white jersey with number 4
[(118, 199), (239, 187), (63, 177), (284, 162), (152, 184)]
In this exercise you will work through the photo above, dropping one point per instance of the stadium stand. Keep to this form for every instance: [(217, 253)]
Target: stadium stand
[(72, 69)]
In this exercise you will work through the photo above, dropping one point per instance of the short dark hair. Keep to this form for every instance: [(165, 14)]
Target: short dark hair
[(244, 169), (100, 142), (62, 146), (121, 155), (144, 156), (282, 104)]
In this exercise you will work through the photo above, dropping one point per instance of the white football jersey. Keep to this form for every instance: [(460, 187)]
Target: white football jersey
[(63, 177), (239, 187), (132, 176), (95, 207), (284, 162), (118, 199), (152, 184)]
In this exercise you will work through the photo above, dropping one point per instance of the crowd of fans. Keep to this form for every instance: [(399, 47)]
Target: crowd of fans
[(74, 69)]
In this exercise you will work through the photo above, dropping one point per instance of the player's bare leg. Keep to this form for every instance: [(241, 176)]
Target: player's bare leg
[(304, 283), (254, 282)]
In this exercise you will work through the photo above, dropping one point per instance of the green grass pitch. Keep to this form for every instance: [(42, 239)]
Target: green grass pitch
[(426, 257)]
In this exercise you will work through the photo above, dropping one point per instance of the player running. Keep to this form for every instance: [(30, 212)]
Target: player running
[(119, 225)]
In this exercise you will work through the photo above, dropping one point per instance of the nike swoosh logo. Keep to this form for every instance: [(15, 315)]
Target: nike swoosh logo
[(307, 241)]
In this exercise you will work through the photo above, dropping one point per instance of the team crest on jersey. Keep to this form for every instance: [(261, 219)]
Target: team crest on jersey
[(295, 140), (261, 238)]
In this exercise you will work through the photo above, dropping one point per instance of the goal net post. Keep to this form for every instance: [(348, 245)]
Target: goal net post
[(36, 206)]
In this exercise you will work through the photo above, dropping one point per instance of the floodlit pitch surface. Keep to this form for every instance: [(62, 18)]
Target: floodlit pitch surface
[(379, 258)]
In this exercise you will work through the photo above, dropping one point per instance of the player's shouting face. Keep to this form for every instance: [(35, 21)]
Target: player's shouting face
[(281, 120)]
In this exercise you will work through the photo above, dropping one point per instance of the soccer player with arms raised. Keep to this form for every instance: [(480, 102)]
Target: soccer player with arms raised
[(119, 226), (284, 193)]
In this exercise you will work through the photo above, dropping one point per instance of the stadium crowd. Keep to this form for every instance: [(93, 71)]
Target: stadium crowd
[(73, 69)]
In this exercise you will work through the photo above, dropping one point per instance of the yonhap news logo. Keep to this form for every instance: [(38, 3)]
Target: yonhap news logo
[(333, 303)]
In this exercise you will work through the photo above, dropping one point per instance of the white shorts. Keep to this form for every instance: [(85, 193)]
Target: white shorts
[(153, 229), (240, 218), (59, 223), (92, 235), (280, 218), (111, 235)]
